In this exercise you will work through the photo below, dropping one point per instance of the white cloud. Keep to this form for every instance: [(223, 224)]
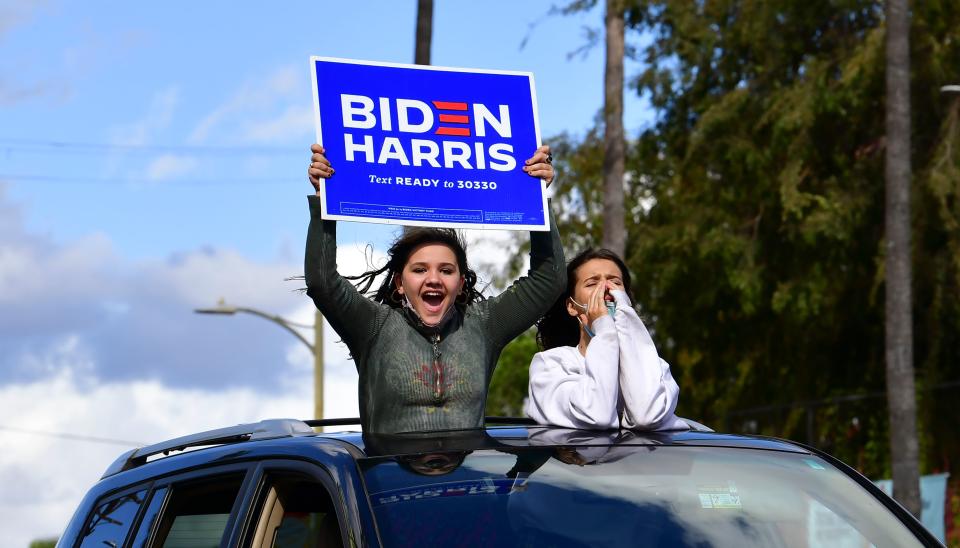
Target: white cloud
[(158, 117), (488, 252), (72, 396), (66, 354), (14, 13), (36, 271), (46, 476), (13, 93), (87, 336), (170, 166), (135, 320), (22, 83), (295, 121), (261, 108)]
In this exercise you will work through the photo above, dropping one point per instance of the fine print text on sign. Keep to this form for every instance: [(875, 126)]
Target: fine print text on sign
[(428, 146)]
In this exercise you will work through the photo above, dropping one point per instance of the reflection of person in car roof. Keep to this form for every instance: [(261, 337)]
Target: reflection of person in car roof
[(427, 342), (599, 367)]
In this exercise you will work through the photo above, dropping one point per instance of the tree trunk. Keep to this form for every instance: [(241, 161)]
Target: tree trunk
[(614, 231), (901, 395), (424, 38), (421, 55)]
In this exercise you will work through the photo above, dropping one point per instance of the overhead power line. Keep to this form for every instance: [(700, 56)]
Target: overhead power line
[(75, 437), (78, 179), (73, 147)]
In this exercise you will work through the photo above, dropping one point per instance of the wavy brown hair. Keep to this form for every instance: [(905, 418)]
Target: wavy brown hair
[(399, 253), (557, 327)]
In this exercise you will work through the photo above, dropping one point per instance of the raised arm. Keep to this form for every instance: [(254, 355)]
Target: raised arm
[(351, 315), (649, 392), (577, 393), (523, 303), (516, 309)]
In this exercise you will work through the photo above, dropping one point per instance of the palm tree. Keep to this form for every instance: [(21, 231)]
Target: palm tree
[(421, 54), (901, 395), (614, 230)]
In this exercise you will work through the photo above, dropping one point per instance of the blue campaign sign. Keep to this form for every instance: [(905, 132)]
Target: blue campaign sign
[(428, 146)]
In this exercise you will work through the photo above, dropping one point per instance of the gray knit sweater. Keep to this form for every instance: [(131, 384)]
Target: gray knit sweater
[(413, 379)]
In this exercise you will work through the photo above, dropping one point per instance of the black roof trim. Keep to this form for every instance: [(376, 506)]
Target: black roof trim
[(316, 423), (519, 421), (263, 430)]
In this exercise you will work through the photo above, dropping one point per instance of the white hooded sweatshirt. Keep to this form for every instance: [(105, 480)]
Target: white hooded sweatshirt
[(621, 382)]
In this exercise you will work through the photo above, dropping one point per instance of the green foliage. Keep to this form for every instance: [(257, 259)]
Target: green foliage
[(756, 210), (43, 543), (508, 388)]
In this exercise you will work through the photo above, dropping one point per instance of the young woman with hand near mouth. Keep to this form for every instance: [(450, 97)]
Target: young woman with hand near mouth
[(426, 343), (599, 367)]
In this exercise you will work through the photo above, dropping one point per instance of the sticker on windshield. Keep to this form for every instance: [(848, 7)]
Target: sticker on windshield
[(719, 497), (814, 464)]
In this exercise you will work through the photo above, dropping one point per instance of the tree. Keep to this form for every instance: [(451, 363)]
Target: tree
[(901, 394), (614, 234), (421, 55), (423, 39), (508, 387), (755, 217), (614, 231)]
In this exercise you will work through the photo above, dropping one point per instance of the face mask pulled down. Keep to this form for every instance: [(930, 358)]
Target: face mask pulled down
[(611, 309)]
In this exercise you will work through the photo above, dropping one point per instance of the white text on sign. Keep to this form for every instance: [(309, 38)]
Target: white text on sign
[(360, 112)]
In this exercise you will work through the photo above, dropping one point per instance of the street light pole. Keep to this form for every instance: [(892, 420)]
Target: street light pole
[(318, 365), (316, 348)]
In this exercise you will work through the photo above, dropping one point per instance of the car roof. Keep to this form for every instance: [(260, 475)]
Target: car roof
[(291, 437), (495, 437), (274, 442)]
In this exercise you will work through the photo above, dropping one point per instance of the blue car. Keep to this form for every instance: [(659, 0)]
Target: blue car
[(279, 483)]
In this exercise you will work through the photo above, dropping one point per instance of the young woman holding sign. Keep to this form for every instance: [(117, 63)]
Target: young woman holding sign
[(426, 343), (599, 367)]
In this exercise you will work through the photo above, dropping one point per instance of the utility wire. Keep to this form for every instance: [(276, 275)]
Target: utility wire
[(27, 145), (27, 177), (76, 437)]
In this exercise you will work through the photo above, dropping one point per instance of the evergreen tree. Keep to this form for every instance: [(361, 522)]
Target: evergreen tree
[(755, 214)]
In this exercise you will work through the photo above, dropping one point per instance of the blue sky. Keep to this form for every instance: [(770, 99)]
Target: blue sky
[(212, 74), (152, 160)]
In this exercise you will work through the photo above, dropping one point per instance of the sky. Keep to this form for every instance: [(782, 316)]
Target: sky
[(152, 161)]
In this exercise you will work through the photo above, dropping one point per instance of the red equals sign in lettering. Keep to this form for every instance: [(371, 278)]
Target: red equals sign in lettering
[(452, 118)]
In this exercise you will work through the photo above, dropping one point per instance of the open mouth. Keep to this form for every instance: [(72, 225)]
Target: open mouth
[(432, 300)]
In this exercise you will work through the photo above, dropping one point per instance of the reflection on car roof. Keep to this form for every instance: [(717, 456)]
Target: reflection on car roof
[(496, 437)]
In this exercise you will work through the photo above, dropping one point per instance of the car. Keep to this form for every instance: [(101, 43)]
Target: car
[(280, 483)]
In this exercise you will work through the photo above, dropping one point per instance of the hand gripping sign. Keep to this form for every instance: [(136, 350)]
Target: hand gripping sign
[(428, 146)]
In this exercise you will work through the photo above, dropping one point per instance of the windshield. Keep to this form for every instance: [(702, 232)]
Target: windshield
[(624, 496)]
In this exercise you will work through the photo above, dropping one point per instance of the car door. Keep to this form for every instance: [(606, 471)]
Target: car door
[(295, 504), (198, 508), (266, 504)]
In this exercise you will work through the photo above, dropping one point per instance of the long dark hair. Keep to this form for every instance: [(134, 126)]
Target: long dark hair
[(399, 254), (557, 327)]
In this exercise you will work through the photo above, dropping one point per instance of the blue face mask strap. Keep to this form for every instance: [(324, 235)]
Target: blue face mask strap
[(611, 309), (586, 328)]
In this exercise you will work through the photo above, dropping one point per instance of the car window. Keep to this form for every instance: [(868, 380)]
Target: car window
[(197, 512), (625, 495), (110, 522), (149, 518), (296, 511)]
